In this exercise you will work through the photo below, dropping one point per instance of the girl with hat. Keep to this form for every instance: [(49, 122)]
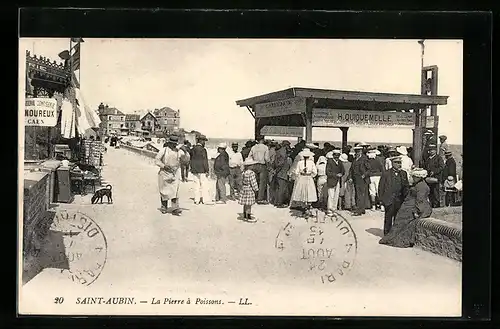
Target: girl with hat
[(168, 159), (415, 206), (249, 189), (304, 190)]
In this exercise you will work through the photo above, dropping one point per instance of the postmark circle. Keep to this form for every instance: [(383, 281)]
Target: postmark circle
[(326, 245), (85, 246)]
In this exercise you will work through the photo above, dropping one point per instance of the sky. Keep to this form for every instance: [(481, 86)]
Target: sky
[(204, 77)]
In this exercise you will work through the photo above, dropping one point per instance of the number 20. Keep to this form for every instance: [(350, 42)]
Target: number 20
[(58, 300)]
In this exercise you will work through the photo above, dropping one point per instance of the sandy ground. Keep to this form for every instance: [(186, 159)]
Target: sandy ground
[(209, 253)]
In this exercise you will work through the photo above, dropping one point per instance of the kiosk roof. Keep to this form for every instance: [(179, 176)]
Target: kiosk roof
[(349, 99)]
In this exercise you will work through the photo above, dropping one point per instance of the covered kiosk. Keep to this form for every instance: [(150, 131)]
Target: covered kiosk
[(307, 107)]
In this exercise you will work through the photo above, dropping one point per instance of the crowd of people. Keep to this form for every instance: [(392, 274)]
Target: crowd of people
[(306, 176)]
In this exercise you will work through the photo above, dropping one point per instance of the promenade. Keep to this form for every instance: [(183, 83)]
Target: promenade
[(208, 253)]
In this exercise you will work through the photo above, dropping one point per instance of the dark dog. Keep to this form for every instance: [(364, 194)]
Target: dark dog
[(99, 195)]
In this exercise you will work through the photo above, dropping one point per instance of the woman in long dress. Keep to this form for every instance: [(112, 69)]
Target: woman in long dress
[(415, 206), (304, 190), (169, 175)]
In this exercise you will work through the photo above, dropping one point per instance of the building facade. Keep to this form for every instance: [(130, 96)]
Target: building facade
[(168, 119), (112, 121), (149, 123), (132, 122)]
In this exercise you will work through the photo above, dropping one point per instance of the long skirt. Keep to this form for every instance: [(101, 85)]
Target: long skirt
[(168, 185), (402, 233), (322, 191), (304, 190), (349, 195)]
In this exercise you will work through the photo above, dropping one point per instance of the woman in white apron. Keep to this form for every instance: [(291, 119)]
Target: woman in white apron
[(168, 159)]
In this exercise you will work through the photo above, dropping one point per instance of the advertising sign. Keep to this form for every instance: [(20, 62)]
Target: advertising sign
[(40, 112), (358, 118), (282, 131), (289, 106)]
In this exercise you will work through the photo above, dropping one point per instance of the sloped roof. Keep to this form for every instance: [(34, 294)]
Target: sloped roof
[(111, 111), (165, 111), (150, 114), (132, 117)]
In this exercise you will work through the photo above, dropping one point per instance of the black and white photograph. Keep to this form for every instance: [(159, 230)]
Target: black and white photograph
[(226, 176)]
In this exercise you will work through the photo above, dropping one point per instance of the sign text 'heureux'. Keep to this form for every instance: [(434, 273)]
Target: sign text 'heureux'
[(40, 112)]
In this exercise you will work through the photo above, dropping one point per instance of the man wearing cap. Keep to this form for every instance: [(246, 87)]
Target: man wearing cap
[(392, 190), (200, 170), (260, 154), (221, 171), (235, 171), (359, 175), (168, 159), (443, 147), (434, 165), (334, 173)]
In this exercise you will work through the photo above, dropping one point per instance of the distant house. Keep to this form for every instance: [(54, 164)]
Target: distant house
[(149, 123), (112, 120), (168, 119), (132, 122)]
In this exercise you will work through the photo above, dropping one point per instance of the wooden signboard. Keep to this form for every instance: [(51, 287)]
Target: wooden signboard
[(282, 131), (358, 118), (289, 106)]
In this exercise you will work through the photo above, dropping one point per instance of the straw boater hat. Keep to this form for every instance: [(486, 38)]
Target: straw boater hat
[(306, 153), (222, 146), (357, 147), (363, 144), (344, 157), (402, 150), (311, 146), (395, 159), (432, 147), (419, 172)]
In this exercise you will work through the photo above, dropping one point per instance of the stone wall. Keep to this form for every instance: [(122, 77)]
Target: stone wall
[(440, 237)]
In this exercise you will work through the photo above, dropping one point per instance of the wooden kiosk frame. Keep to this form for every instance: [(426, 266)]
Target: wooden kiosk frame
[(307, 107)]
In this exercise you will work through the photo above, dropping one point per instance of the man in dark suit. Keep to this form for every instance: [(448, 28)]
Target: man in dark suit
[(392, 190), (434, 165), (200, 171), (359, 174), (334, 173)]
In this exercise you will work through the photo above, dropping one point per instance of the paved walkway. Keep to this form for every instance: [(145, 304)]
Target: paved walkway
[(209, 253)]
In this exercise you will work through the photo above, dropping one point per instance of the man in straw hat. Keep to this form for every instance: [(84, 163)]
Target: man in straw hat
[(168, 159), (359, 175), (200, 171), (434, 165), (221, 170), (235, 171), (334, 173), (260, 154), (392, 190)]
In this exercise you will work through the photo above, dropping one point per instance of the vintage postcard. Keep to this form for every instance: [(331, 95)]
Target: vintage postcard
[(235, 177)]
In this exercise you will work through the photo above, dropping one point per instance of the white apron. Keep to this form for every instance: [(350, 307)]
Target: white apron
[(169, 177)]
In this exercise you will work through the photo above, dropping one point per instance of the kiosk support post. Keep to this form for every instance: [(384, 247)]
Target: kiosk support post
[(309, 110), (344, 137)]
